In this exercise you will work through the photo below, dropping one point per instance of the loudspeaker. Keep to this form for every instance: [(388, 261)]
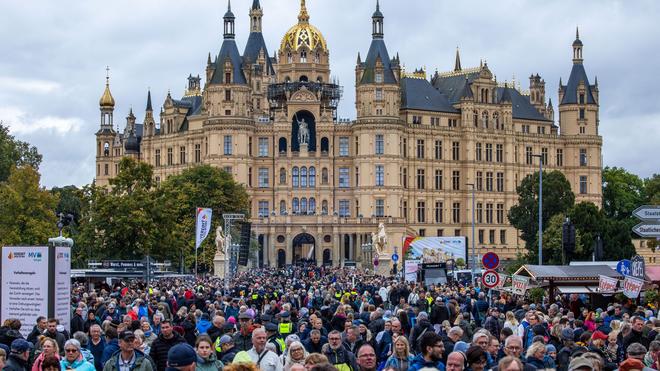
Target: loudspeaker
[(244, 244)]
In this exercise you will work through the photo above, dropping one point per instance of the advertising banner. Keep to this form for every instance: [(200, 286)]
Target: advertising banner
[(25, 285), (63, 286), (435, 249), (411, 268), (607, 284), (203, 225), (632, 287), (519, 284)]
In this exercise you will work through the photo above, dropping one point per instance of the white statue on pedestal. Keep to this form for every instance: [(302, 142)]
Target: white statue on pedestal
[(219, 241), (379, 240), (303, 132)]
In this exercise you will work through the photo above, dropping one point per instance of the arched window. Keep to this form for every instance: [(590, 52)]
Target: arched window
[(312, 177), (281, 145), (325, 145), (303, 78), (324, 175), (289, 57), (303, 205), (311, 208), (484, 119), (324, 207), (106, 149), (296, 205), (282, 175), (319, 79), (287, 79), (294, 177), (317, 58), (475, 115), (303, 177), (282, 207)]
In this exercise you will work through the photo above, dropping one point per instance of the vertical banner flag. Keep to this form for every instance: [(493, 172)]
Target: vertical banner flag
[(607, 284), (632, 287), (203, 225), (411, 268)]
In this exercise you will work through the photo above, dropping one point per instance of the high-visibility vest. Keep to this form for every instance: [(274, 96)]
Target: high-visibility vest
[(285, 328), (217, 346), (255, 296), (281, 343)]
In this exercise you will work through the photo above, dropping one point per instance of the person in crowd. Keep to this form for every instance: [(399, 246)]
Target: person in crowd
[(314, 343), (51, 332), (510, 363), (206, 357), (3, 357), (77, 320), (181, 357), (295, 355), (243, 338), (17, 360), (96, 345), (456, 361), (337, 355), (49, 348), (161, 346), (265, 359), (128, 357), (73, 358), (476, 358), (536, 356), (423, 326), (366, 358), (401, 357), (431, 350), (636, 334), (225, 350), (38, 329), (83, 339)]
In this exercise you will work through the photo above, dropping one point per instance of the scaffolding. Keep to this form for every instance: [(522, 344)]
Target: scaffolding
[(328, 94)]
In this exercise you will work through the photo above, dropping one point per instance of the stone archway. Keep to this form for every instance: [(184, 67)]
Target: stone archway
[(304, 245)]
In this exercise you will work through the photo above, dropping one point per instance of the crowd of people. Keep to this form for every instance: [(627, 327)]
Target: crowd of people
[(315, 318)]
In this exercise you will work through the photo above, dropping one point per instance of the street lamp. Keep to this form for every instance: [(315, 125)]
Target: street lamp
[(540, 207), (473, 259)]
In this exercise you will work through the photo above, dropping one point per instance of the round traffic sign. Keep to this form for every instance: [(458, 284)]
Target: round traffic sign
[(490, 260), (376, 261), (490, 279), (395, 257)]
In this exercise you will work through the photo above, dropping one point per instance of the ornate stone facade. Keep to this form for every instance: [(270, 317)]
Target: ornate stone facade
[(406, 160)]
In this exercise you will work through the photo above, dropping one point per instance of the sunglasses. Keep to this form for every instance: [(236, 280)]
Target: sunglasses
[(70, 350)]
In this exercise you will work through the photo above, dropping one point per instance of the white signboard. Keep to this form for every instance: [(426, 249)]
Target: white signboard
[(437, 249), (24, 285), (607, 284), (63, 286), (632, 287), (519, 284), (411, 268)]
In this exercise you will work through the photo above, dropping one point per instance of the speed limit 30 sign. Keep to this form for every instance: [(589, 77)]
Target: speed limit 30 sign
[(490, 279)]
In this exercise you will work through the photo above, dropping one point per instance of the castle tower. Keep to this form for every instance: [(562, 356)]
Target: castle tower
[(105, 136), (258, 66)]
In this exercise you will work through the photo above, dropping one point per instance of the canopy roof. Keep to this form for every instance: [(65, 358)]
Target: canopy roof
[(567, 272)]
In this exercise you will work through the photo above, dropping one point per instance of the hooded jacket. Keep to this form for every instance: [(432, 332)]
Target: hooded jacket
[(209, 364)]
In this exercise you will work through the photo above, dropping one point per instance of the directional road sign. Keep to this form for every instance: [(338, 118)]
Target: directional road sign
[(623, 267), (649, 213), (490, 279), (647, 230), (490, 260), (395, 257)]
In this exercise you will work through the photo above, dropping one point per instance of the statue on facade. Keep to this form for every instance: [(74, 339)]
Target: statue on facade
[(379, 239), (303, 132), (219, 241)]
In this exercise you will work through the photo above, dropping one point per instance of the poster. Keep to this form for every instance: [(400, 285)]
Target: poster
[(519, 284), (411, 268), (607, 284), (632, 287), (435, 249), (24, 285), (63, 286)]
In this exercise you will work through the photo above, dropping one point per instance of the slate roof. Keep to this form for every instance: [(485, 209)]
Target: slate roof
[(578, 74), (454, 87), (419, 94), (228, 51), (521, 107), (193, 104), (254, 45), (377, 49), (567, 272)]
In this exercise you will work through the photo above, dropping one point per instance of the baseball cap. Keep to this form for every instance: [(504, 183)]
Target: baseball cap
[(127, 336), (181, 355), (21, 345), (225, 339), (567, 334), (580, 363), (244, 316), (270, 326), (598, 335)]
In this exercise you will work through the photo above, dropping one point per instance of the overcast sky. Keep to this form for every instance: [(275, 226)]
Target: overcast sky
[(54, 54)]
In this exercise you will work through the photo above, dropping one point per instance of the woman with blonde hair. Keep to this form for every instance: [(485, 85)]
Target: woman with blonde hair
[(315, 359), (537, 357), (295, 355), (49, 348), (510, 322), (400, 359)]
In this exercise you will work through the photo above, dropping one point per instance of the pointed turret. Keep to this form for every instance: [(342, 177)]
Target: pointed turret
[(377, 19), (303, 16), (578, 79), (229, 62), (229, 31), (256, 43), (577, 48), (457, 63), (107, 101), (149, 107), (506, 95), (359, 59), (378, 54)]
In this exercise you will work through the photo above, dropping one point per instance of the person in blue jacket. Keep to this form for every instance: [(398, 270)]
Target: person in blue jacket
[(432, 348)]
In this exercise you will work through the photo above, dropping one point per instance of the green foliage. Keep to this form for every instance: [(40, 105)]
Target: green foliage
[(652, 297), (15, 153), (623, 192), (460, 263), (514, 265), (27, 216), (557, 199), (536, 294), (652, 189), (552, 243)]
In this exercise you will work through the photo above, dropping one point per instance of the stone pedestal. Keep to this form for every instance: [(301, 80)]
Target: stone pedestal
[(304, 148), (219, 264), (384, 265)]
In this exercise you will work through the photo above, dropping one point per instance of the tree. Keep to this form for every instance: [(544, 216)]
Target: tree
[(27, 216), (200, 186), (15, 153), (623, 192), (652, 190), (553, 252), (557, 199)]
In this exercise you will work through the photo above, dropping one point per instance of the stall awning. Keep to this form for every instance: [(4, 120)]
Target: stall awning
[(565, 273), (653, 273), (577, 289)]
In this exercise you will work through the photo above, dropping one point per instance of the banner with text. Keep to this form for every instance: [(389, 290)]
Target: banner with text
[(435, 249), (25, 285), (63, 286), (519, 284), (632, 287), (203, 225), (411, 269), (607, 284)]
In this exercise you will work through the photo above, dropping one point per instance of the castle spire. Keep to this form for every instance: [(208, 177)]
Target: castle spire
[(149, 108), (577, 48), (303, 16), (107, 101), (457, 63), (377, 20), (229, 22)]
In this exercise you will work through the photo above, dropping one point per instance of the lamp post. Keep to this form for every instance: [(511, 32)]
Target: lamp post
[(540, 208), (473, 259)]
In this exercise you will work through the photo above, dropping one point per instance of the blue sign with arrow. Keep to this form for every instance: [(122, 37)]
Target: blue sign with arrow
[(395, 257)]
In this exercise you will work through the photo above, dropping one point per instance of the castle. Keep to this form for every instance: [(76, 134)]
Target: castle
[(319, 185)]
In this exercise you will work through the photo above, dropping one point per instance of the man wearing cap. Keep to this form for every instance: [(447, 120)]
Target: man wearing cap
[(285, 327), (162, 345), (17, 360), (128, 358), (225, 349), (181, 357), (637, 351), (581, 364), (274, 338), (243, 338), (264, 358)]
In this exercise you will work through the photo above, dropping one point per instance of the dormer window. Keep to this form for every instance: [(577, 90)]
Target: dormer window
[(379, 77), (581, 98), (227, 77)]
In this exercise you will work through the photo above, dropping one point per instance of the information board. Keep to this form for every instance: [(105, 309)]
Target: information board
[(63, 286)]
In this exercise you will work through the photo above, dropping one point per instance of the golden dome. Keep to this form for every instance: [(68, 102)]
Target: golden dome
[(106, 99), (303, 34)]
